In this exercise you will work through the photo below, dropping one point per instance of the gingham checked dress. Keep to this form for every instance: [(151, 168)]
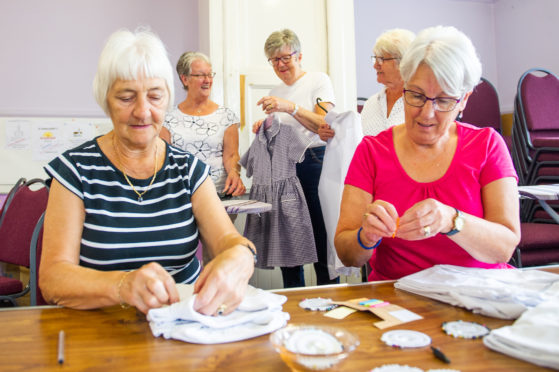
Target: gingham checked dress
[(283, 236)]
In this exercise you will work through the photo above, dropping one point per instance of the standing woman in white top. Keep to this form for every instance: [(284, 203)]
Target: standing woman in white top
[(295, 101), (202, 127), (386, 108)]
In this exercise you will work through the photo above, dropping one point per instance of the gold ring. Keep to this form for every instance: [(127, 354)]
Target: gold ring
[(221, 309), (426, 231), (365, 215)]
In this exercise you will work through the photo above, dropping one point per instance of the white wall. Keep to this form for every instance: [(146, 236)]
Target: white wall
[(49, 49), (373, 17)]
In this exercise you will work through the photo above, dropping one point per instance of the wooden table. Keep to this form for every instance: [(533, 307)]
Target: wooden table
[(114, 339)]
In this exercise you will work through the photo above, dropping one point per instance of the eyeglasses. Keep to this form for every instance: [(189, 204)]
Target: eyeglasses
[(380, 60), (284, 59), (442, 104), (209, 75)]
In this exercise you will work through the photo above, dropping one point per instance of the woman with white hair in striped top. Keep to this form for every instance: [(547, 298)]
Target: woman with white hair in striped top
[(126, 210)]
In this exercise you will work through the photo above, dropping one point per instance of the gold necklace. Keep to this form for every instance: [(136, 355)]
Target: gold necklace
[(140, 195)]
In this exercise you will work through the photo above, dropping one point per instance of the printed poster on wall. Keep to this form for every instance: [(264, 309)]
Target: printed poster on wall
[(18, 134), (47, 140)]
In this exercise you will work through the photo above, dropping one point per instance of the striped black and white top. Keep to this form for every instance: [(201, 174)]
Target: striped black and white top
[(121, 233)]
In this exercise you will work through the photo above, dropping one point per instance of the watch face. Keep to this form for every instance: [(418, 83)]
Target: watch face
[(459, 222)]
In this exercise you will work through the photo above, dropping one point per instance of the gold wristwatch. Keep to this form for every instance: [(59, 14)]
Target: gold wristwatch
[(458, 223)]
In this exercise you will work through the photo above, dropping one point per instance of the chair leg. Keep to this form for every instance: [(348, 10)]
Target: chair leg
[(518, 258), (10, 300)]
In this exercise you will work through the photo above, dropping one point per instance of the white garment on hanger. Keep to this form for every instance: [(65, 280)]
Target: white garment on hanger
[(338, 155)]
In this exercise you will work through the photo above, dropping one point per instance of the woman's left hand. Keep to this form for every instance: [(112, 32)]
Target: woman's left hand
[(425, 219), (234, 184), (275, 104), (223, 282)]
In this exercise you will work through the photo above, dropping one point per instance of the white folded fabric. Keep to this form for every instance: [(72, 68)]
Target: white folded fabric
[(259, 313), (499, 293), (534, 337)]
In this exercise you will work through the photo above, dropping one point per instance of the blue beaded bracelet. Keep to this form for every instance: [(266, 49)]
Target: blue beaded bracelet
[(361, 243)]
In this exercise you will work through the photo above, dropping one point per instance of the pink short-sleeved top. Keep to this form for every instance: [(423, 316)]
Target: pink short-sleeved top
[(481, 157)]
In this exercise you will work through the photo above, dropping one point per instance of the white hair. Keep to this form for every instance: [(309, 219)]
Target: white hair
[(451, 56), (128, 56), (394, 42), (279, 39)]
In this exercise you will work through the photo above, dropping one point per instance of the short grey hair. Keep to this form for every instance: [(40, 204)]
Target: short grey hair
[(184, 64), (451, 56), (279, 39), (128, 56), (394, 42)]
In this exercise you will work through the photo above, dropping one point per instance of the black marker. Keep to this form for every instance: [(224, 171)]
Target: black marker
[(440, 355)]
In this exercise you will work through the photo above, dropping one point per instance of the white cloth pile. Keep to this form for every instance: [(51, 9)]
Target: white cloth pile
[(534, 337), (498, 293), (259, 313)]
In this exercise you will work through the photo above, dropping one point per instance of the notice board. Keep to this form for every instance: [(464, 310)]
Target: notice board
[(27, 144)]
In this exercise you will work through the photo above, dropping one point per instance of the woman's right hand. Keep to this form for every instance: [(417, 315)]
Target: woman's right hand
[(256, 126), (148, 287), (379, 220), (325, 132)]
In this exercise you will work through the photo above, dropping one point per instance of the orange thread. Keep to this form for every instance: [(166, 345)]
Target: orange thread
[(397, 224)]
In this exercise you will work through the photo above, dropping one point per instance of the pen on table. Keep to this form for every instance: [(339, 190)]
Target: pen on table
[(440, 355), (61, 347)]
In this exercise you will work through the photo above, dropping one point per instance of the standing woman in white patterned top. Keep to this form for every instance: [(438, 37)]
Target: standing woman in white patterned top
[(202, 127), (386, 108)]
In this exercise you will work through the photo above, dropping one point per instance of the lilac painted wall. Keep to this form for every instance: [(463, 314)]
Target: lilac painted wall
[(527, 36), (373, 17), (49, 49), (510, 36)]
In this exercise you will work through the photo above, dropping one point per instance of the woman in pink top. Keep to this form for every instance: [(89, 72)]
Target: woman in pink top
[(432, 190)]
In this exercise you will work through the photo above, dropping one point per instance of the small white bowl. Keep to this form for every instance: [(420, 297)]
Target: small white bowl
[(306, 347)]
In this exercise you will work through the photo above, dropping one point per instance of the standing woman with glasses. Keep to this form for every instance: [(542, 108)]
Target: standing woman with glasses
[(432, 190), (295, 101), (386, 108), (202, 127)]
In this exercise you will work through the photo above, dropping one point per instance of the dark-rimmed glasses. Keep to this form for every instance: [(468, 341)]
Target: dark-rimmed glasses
[(209, 75), (380, 60), (442, 104), (284, 59)]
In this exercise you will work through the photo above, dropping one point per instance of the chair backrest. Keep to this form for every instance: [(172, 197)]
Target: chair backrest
[(35, 250), (483, 109), (20, 217), (360, 103), (10, 197), (538, 97)]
